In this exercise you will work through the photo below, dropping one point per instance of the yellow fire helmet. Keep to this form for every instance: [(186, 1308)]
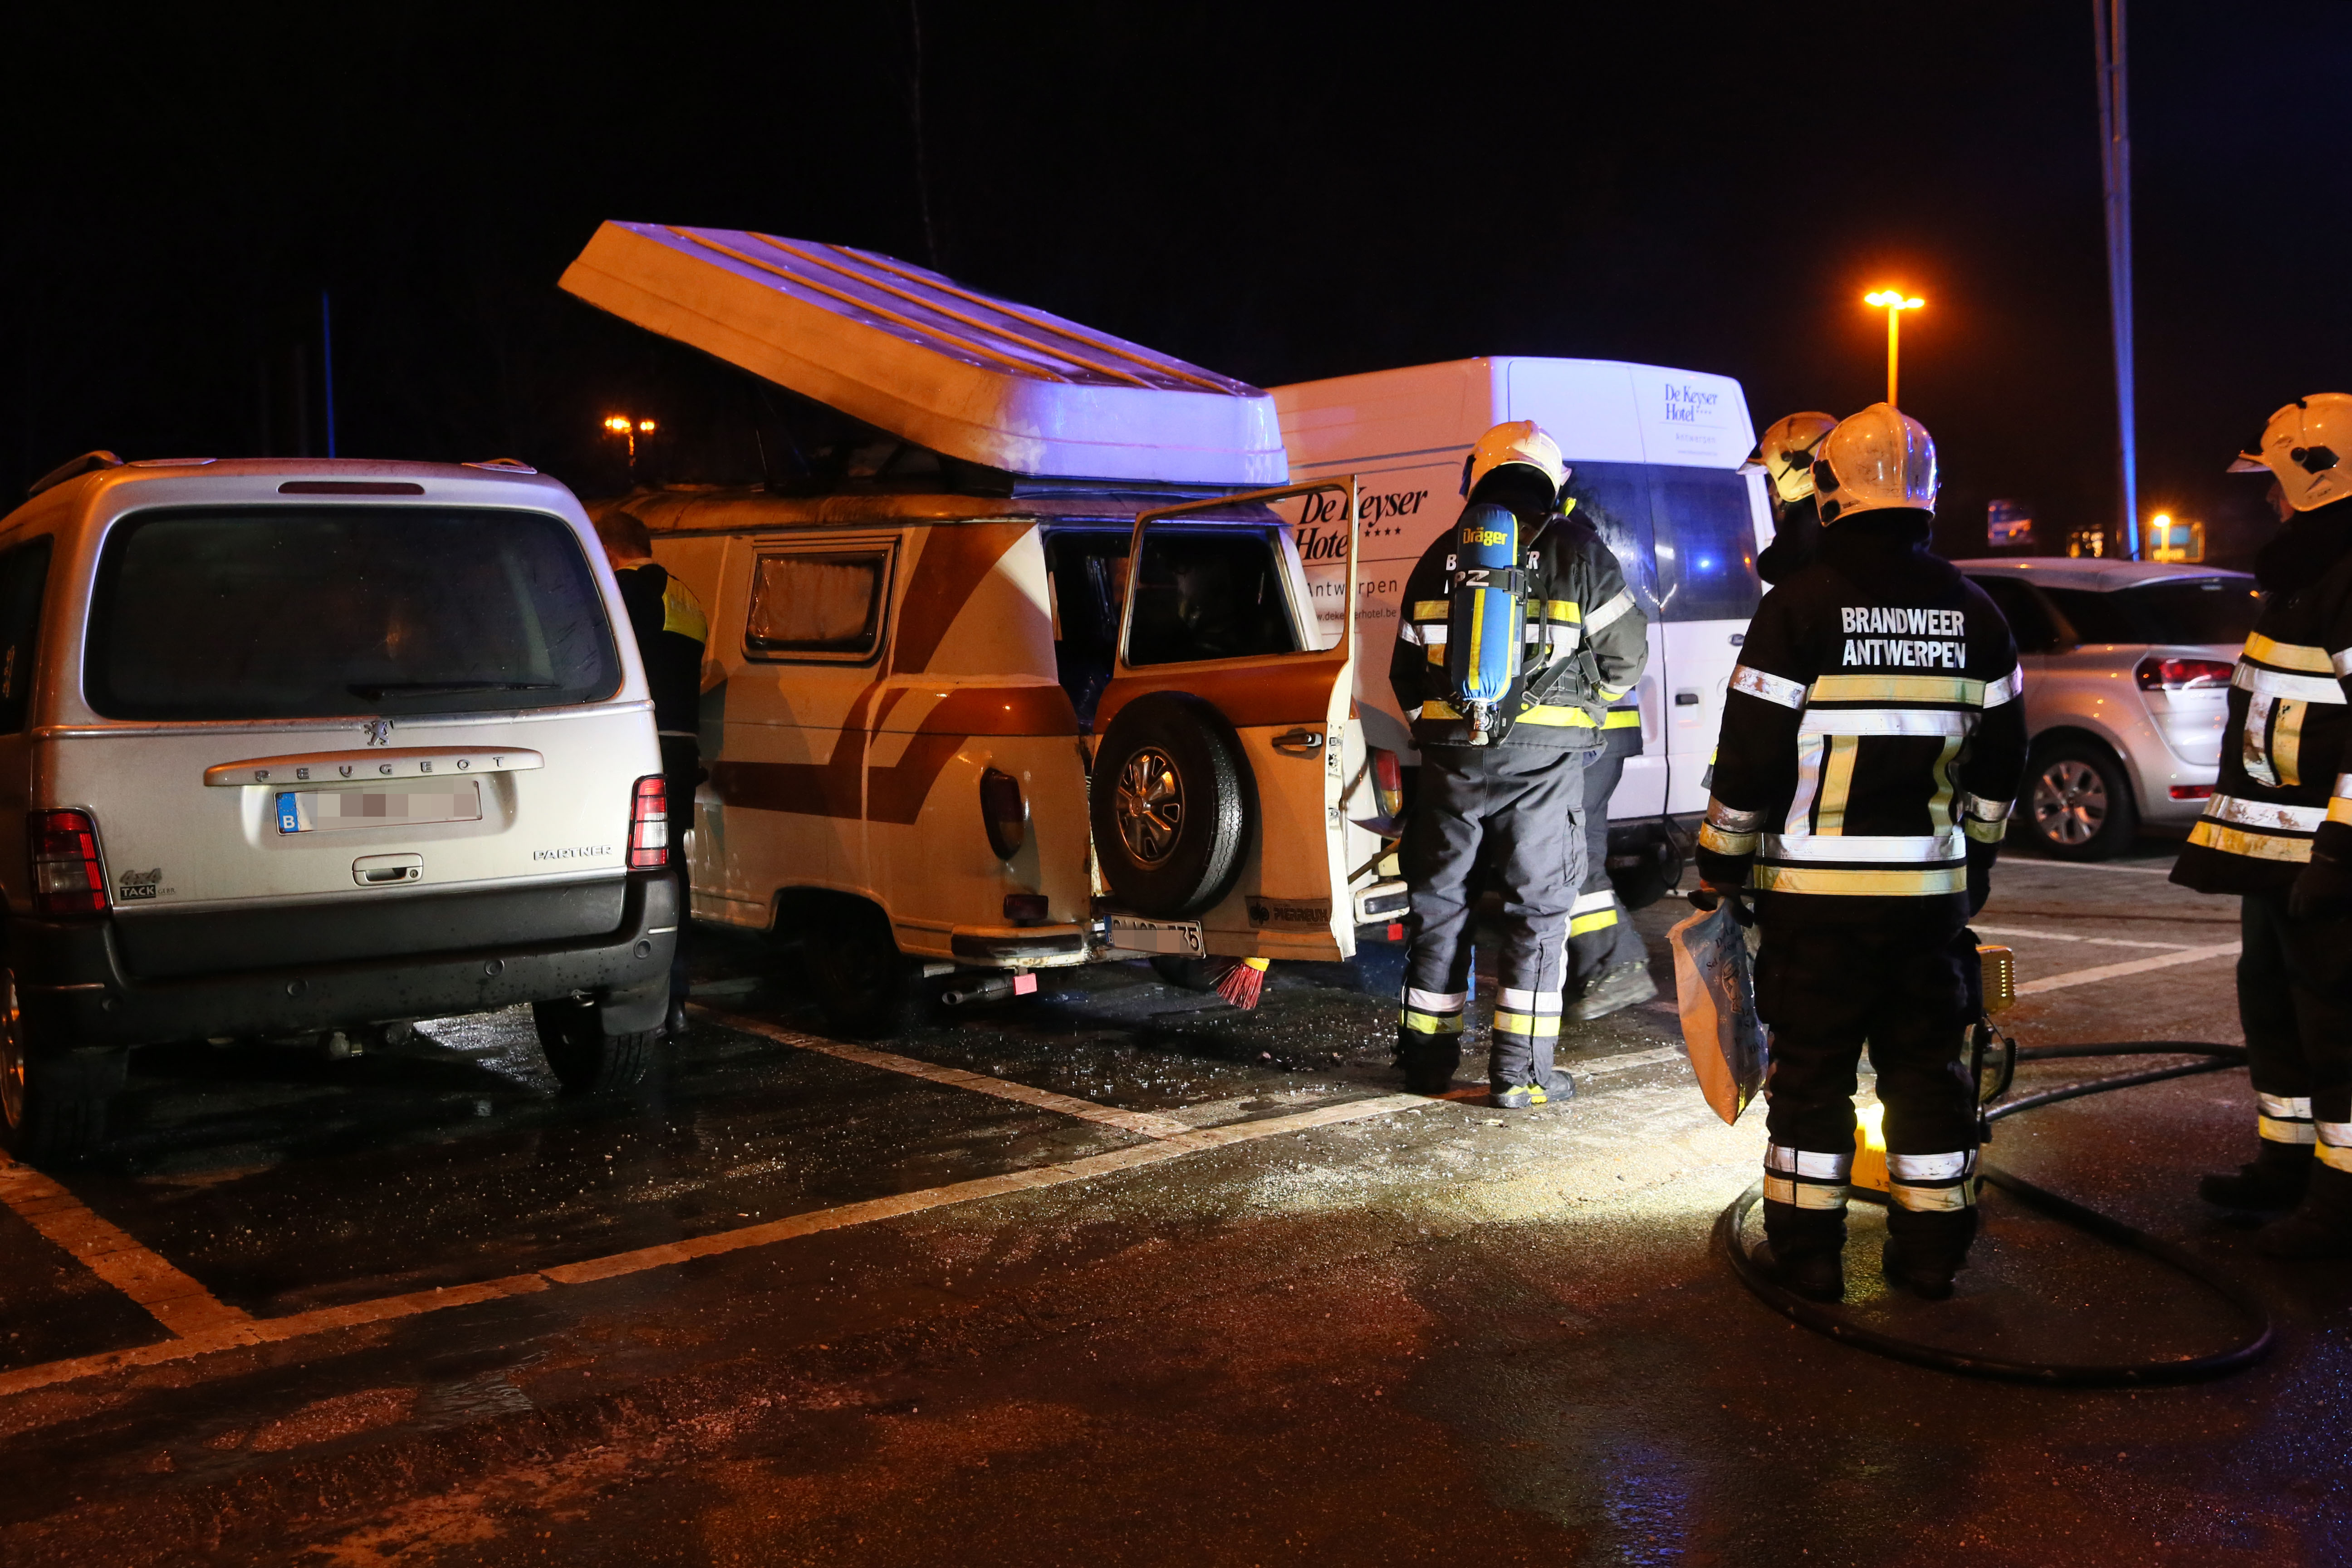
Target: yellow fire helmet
[(1876, 459), (2306, 445), (1787, 452), (1521, 441)]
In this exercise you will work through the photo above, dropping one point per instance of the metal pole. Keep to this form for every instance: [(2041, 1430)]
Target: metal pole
[(1894, 315), (2115, 167), (327, 362)]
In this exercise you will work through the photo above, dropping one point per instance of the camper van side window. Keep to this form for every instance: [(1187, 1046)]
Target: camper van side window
[(1208, 593), (817, 607), (23, 571)]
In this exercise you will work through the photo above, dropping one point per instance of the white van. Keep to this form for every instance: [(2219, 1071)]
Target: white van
[(295, 747), (1657, 457)]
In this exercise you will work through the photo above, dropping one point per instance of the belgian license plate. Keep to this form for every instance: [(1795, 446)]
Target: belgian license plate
[(324, 810), (1130, 934)]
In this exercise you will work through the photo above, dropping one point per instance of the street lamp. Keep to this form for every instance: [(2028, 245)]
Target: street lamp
[(1894, 302), (629, 429)]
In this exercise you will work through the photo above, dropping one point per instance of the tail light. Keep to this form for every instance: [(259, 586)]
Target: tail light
[(1026, 909), (2191, 791), (67, 877), (1003, 812), (1388, 783), (649, 825), (2158, 672)]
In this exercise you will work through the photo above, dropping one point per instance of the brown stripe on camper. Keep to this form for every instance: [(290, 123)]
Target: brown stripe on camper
[(895, 793), (954, 561)]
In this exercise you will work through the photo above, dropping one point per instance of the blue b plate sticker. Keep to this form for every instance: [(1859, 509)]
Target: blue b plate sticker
[(289, 819)]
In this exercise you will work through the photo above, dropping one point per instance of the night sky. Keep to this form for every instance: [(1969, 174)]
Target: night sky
[(1279, 193)]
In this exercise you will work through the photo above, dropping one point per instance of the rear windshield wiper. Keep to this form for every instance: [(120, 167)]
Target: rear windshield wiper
[(445, 688)]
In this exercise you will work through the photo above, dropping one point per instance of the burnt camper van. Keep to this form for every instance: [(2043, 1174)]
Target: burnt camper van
[(1042, 682)]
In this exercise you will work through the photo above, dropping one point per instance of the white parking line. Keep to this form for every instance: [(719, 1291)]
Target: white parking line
[(2131, 966), (2068, 936), (1142, 1121), (174, 1299), (249, 1331), (2022, 861)]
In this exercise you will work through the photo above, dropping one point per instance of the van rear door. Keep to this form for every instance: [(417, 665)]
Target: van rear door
[(1218, 609)]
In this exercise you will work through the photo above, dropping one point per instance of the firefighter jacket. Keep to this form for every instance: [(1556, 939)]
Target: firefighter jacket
[(2284, 754), (1586, 642), (1873, 737), (671, 630)]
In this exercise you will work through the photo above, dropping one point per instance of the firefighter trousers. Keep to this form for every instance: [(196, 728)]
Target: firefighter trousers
[(1601, 934), (1518, 811), (1824, 988), (2294, 1000)]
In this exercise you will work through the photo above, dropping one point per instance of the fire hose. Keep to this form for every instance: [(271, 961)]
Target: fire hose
[(1825, 1320)]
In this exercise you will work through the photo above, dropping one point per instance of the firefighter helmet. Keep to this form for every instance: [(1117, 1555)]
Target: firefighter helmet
[(2306, 445), (1787, 452), (1876, 459), (1521, 442)]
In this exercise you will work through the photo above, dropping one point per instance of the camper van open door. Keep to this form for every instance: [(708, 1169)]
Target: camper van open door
[(1227, 734)]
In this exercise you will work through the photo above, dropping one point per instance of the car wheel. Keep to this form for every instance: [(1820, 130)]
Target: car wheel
[(2078, 802), (52, 1106), (584, 1058), (1171, 803), (867, 989)]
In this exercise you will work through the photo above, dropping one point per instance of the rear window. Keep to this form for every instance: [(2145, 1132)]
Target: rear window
[(290, 613), (1686, 538), (2197, 610)]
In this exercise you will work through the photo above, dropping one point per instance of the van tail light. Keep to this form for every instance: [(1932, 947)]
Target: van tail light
[(1388, 783), (2191, 791), (649, 825), (2160, 673), (1003, 813), (67, 877)]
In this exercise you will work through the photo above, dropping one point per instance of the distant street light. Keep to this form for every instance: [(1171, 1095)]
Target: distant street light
[(1895, 303), (629, 429)]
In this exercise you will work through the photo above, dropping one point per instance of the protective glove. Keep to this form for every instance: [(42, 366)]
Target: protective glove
[(2322, 890), (1980, 858), (1707, 898)]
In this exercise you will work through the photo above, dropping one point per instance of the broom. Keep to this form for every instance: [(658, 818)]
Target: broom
[(1240, 980)]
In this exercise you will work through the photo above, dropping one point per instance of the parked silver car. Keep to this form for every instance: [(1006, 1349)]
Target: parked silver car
[(2127, 669)]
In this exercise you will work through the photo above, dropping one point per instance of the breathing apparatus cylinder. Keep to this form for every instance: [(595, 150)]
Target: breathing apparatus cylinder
[(1486, 619)]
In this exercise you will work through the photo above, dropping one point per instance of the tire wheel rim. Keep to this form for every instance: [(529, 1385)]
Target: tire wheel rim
[(1150, 807), (2069, 803), (12, 1053)]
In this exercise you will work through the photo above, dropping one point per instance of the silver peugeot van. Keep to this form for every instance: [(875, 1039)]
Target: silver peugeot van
[(289, 747)]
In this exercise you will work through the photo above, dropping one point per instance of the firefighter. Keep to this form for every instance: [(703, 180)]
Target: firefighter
[(2278, 833), (1607, 964), (1872, 743), (1520, 796), (671, 631), (1786, 454)]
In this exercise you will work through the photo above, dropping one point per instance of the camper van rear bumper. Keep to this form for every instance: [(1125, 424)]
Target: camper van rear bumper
[(75, 988), (1040, 946)]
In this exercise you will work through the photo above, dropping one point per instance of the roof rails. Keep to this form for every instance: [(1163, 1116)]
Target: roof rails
[(503, 466), (88, 462)]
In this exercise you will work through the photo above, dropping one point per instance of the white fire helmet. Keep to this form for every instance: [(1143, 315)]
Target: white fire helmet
[(2306, 445), (1787, 452), (1521, 441), (1876, 459)]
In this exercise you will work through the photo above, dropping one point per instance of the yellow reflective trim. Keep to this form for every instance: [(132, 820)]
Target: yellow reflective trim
[(682, 612), (1540, 1026), (1562, 610), (1838, 882), (1429, 609), (2229, 840), (2278, 1131), (1837, 784), (1897, 689), (1477, 624), (1585, 925), (2286, 740), (1936, 1200), (1558, 717), (1803, 1194), (1430, 1023), (2335, 1155), (1984, 832), (1712, 838), (1940, 810), (2340, 810), (2288, 656), (1622, 719)]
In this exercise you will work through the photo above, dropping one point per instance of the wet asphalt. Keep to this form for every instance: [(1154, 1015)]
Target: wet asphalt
[(1434, 1333)]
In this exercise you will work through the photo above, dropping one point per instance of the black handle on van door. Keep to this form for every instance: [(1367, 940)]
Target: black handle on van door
[(1685, 699), (1306, 743)]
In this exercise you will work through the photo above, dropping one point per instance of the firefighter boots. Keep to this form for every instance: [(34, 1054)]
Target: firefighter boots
[(2275, 1181), (2321, 1226)]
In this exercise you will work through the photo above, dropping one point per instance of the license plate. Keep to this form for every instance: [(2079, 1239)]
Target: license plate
[(325, 810), (1130, 934)]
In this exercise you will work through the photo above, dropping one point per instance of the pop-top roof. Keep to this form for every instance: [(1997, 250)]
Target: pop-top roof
[(931, 361)]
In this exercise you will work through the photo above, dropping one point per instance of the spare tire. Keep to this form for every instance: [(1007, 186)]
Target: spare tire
[(1172, 805)]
